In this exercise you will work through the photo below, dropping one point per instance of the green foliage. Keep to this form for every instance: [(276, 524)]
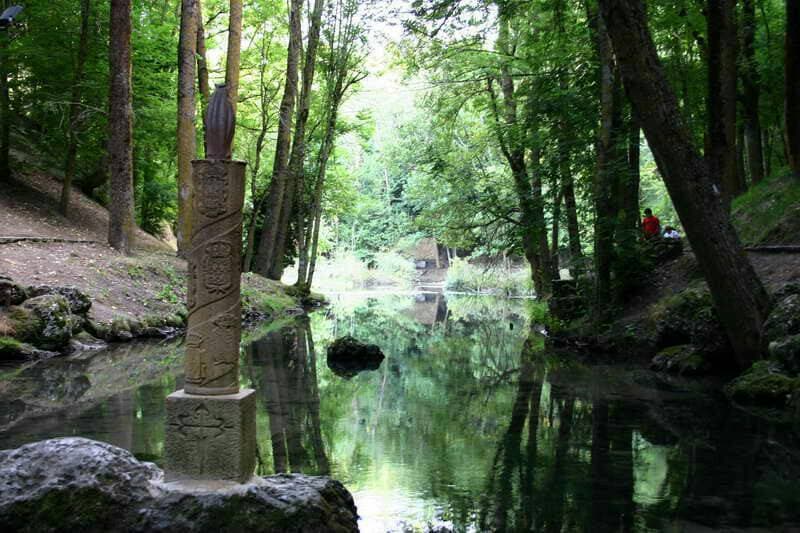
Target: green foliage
[(464, 276)]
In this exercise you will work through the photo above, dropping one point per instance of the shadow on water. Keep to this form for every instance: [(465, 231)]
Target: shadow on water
[(469, 424)]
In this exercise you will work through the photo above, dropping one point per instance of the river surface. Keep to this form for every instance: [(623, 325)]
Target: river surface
[(469, 424)]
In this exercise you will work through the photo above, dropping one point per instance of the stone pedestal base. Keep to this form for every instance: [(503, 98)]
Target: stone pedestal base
[(210, 437)]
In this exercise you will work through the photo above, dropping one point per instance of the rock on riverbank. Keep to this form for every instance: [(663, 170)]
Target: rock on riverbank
[(76, 484)]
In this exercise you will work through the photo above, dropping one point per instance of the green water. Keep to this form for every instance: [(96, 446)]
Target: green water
[(469, 424)]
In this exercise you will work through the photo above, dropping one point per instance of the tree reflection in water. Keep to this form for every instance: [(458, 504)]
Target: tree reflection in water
[(283, 366), (470, 423)]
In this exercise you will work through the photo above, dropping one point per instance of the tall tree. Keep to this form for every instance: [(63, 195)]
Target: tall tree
[(74, 108), (341, 68), (751, 94), (187, 136), (234, 53), (295, 178), (203, 84), (722, 46), (5, 105), (266, 94), (792, 84), (120, 142), (738, 295), (603, 187), (266, 255), (512, 138)]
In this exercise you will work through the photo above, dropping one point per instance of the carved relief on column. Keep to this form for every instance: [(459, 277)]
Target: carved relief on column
[(213, 299)]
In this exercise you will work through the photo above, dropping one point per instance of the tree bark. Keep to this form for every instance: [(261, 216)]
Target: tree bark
[(752, 94), (295, 179), (266, 248), (74, 109), (792, 87), (740, 300), (234, 53), (187, 135), (120, 142), (203, 85), (721, 103)]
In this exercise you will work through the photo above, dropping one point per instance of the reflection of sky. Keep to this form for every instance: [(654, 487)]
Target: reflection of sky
[(393, 509)]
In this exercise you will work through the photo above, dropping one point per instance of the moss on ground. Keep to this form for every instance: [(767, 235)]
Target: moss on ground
[(769, 212)]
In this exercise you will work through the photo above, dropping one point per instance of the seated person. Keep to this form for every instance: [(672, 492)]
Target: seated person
[(671, 233), (651, 226)]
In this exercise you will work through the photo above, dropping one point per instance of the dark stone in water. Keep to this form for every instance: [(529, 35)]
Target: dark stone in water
[(76, 484), (348, 356)]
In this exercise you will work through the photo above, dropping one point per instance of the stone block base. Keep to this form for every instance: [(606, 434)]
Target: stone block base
[(210, 437)]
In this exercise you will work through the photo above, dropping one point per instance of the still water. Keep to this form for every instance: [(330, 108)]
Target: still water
[(469, 424)]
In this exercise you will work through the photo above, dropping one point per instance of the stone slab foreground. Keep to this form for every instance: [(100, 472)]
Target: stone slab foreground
[(211, 437), (76, 484)]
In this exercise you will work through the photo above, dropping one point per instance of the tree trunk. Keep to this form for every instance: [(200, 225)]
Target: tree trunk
[(573, 229), (74, 109), (295, 179), (739, 297), (556, 230), (266, 256), (234, 53), (752, 96), (604, 178), (202, 69), (325, 151), (5, 107), (510, 135), (630, 193), (187, 136), (721, 104), (120, 119), (792, 87)]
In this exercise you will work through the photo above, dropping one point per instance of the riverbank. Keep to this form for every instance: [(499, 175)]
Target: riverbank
[(670, 322), (62, 289)]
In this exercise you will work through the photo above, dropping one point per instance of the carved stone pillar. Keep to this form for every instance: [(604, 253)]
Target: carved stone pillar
[(213, 299), (211, 424)]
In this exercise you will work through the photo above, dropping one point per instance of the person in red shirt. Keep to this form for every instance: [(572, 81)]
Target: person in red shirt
[(651, 226)]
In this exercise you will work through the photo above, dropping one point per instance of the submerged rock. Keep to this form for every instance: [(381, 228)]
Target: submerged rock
[(84, 341), (348, 356), (80, 484)]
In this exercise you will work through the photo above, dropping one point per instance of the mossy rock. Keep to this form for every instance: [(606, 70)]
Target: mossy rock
[(787, 352), (45, 321), (11, 293), (683, 359), (689, 317), (764, 384), (13, 350), (784, 320), (79, 303)]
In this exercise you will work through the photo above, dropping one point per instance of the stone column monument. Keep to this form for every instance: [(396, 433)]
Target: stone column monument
[(211, 428)]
